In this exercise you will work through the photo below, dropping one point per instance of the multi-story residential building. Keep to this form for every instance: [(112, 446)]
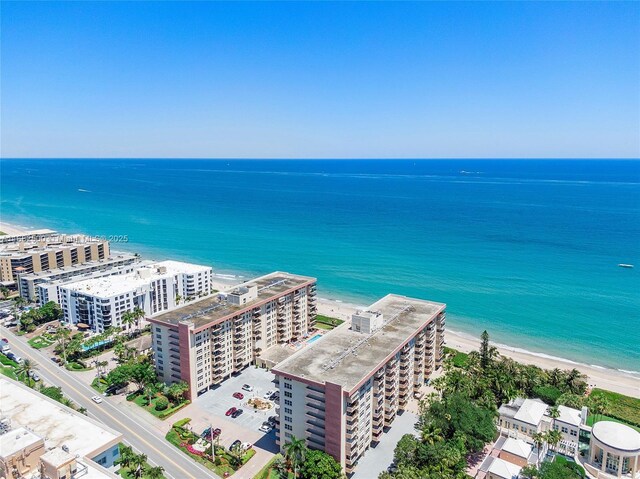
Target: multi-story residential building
[(33, 235), (340, 392), (156, 288), (522, 418), (42, 437), (45, 283), (49, 252), (207, 341)]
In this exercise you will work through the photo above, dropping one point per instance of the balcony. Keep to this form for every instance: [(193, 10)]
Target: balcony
[(316, 442), (320, 406), (319, 424), (314, 415)]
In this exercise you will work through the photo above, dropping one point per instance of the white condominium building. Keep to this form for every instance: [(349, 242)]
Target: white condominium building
[(340, 392), (156, 288), (32, 285), (207, 341)]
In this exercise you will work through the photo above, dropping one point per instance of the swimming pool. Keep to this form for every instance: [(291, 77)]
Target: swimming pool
[(315, 338)]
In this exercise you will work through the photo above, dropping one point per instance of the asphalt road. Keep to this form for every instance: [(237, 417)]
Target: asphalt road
[(135, 432)]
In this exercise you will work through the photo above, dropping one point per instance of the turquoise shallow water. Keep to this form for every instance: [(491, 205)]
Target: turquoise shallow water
[(526, 249)]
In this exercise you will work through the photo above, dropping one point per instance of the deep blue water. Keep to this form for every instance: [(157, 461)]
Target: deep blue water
[(526, 249)]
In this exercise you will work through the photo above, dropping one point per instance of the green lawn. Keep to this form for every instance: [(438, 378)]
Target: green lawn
[(173, 438), (624, 408), (269, 472), (593, 418), (40, 342), (141, 401), (99, 385), (327, 322), (7, 362), (8, 371), (459, 359)]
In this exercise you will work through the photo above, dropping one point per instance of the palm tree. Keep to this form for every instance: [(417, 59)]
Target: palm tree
[(431, 435), (25, 368), (554, 413), (553, 438), (236, 453), (127, 319), (126, 457), (295, 452), (575, 379), (62, 337), (5, 292), (154, 472), (138, 314), (138, 464), (20, 302), (598, 405), (539, 438)]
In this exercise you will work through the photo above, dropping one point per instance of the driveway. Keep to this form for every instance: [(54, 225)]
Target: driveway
[(377, 459)]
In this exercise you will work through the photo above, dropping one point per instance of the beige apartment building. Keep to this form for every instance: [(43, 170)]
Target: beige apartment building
[(49, 252), (340, 392), (205, 342)]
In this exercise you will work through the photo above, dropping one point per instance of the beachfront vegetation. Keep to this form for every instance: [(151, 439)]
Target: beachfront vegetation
[(560, 468), (618, 406), (459, 419), (327, 322)]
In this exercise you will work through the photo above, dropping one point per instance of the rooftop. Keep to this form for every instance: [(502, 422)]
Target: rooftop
[(503, 469), (617, 436), (46, 244), (79, 267), (187, 268), (109, 286), (16, 440), (345, 357), (517, 447), (57, 457), (215, 308), (569, 415), (529, 411), (57, 424)]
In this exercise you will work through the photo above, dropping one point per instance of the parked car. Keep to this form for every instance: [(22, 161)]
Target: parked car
[(209, 434), (236, 413), (246, 387), (235, 443), (96, 399), (11, 355), (273, 419), (231, 411), (268, 395), (55, 360), (266, 427), (6, 349), (34, 375), (246, 446), (238, 395)]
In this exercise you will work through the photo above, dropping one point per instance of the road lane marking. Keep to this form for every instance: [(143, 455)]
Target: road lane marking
[(28, 352)]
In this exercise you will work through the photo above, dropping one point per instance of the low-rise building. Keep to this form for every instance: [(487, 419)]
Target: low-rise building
[(101, 302), (49, 252), (43, 286), (206, 341), (40, 435), (614, 451), (341, 392)]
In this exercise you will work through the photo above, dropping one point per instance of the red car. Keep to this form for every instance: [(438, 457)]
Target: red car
[(231, 411), (238, 395)]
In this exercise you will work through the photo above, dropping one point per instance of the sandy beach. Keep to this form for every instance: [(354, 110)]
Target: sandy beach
[(610, 379)]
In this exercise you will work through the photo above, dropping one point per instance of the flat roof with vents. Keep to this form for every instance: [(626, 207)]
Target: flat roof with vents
[(346, 357), (213, 309)]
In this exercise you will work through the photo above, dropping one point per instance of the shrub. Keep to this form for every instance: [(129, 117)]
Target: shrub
[(548, 394), (182, 422), (162, 403)]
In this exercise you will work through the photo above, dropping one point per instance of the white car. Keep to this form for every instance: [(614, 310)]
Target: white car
[(268, 394), (96, 399), (246, 446), (246, 387), (266, 428)]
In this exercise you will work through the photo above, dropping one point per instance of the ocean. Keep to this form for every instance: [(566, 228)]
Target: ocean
[(527, 250)]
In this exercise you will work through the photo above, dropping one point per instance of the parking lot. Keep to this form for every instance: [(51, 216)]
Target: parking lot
[(216, 403)]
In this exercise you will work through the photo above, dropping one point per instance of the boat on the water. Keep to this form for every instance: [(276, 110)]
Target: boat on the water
[(624, 265)]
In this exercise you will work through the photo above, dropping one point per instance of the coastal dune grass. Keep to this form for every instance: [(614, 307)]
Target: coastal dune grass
[(623, 408)]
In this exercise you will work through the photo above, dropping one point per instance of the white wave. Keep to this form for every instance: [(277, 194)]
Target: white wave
[(84, 191), (626, 371)]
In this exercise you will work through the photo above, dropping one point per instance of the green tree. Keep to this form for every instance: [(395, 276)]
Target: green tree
[(539, 439), (176, 391), (295, 452), (24, 369), (487, 352), (138, 464), (553, 438), (127, 320), (320, 465), (236, 453), (5, 292), (125, 459), (152, 472), (62, 337), (598, 405)]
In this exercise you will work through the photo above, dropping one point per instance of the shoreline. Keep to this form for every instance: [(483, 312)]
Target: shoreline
[(615, 380)]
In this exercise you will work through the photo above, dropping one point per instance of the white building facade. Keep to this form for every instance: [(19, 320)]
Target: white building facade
[(101, 303)]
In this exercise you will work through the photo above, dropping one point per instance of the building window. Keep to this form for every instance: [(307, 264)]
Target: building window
[(287, 394), (288, 411), (287, 385), (288, 427), (287, 402), (287, 418)]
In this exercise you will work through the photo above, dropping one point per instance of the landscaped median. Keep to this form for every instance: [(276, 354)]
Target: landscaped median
[(159, 405), (223, 463), (43, 341)]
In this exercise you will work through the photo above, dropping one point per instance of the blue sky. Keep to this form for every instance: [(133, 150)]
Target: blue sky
[(320, 80)]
